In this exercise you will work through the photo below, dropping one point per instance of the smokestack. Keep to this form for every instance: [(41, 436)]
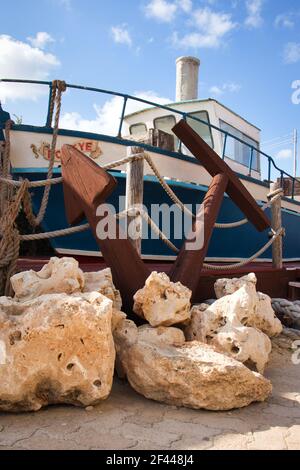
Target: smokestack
[(187, 74)]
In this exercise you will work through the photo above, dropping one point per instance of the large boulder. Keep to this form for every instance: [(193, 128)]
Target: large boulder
[(63, 275), (260, 313), (55, 349), (160, 365), (60, 275), (162, 302), (223, 325)]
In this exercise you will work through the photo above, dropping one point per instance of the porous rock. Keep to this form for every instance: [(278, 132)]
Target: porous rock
[(162, 302), (55, 349), (260, 313), (63, 275), (60, 275), (224, 325), (102, 281), (160, 365)]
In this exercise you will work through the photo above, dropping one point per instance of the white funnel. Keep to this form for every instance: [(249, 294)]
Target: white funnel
[(187, 75)]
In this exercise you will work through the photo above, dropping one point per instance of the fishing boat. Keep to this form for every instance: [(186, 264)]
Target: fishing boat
[(233, 138)]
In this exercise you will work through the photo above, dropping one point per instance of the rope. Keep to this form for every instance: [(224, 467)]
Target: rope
[(5, 166), (52, 101), (55, 233), (10, 241), (140, 212), (32, 184), (58, 88), (166, 187), (288, 312), (244, 262), (272, 196)]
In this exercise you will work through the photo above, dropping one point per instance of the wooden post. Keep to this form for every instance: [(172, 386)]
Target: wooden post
[(276, 225), (134, 196)]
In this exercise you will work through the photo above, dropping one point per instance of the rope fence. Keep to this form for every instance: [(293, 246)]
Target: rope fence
[(15, 194)]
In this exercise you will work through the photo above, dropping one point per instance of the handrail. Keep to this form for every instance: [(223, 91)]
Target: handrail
[(184, 115)]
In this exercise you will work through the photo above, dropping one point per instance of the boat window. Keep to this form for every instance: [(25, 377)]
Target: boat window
[(238, 151), (202, 129), (138, 129), (165, 123)]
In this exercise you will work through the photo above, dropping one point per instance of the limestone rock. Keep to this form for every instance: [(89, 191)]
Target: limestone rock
[(262, 315), (223, 324), (117, 316), (60, 275), (229, 286), (102, 282), (55, 349), (162, 367), (162, 302)]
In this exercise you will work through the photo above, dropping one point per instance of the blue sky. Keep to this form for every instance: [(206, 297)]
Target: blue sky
[(249, 51)]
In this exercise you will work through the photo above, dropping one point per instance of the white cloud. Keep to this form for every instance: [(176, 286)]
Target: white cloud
[(216, 90), (185, 5), (284, 154), (285, 20), (212, 27), (291, 53), (165, 11), (161, 10), (121, 35), (254, 13), (41, 40), (107, 119), (21, 60), (230, 87)]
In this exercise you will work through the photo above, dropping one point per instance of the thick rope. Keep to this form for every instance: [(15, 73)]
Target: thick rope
[(32, 184), (288, 312), (10, 241), (244, 262), (58, 88), (52, 100), (140, 212), (61, 87), (55, 233), (5, 167)]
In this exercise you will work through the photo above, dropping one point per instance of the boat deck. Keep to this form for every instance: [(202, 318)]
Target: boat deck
[(274, 282)]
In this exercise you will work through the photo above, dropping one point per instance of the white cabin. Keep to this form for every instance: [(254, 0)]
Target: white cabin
[(237, 155)]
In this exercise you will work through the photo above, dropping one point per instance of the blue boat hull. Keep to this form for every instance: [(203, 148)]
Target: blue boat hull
[(229, 244)]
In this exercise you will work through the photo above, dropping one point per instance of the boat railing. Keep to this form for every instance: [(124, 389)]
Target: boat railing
[(126, 97)]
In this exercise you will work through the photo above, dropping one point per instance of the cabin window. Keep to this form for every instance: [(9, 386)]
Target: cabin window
[(238, 151), (165, 123), (202, 129), (138, 129)]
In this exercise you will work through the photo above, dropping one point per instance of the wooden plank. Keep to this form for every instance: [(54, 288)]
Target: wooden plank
[(276, 225), (135, 195), (86, 185), (214, 165), (187, 268)]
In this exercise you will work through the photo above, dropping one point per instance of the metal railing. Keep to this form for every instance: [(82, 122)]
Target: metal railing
[(270, 165)]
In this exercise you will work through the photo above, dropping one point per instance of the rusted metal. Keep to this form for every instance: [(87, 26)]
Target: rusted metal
[(189, 262), (214, 165), (86, 186)]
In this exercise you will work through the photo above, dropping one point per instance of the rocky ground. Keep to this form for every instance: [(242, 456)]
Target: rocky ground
[(126, 420)]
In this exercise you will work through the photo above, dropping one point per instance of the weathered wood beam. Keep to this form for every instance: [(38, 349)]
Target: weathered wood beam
[(135, 195), (276, 225)]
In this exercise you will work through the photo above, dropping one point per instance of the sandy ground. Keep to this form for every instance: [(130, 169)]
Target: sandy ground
[(128, 421)]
